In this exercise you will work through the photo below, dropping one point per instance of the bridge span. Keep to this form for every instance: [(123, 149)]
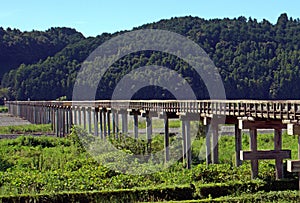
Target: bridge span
[(101, 118)]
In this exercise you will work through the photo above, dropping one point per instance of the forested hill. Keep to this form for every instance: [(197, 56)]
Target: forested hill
[(18, 47), (257, 60)]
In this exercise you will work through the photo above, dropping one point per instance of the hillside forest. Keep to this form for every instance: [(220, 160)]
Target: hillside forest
[(256, 60)]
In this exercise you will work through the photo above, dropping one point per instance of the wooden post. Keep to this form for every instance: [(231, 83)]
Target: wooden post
[(135, 125), (67, 121), (183, 140), (57, 122), (63, 121), (167, 152), (149, 132), (113, 115), (104, 124), (75, 115), (277, 147), (84, 117), (207, 145), (101, 123), (188, 144), (215, 144), (253, 148), (238, 145), (117, 125), (108, 122), (89, 119), (79, 115), (124, 122), (96, 121)]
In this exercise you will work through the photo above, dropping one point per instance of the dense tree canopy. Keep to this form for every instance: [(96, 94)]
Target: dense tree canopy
[(256, 60)]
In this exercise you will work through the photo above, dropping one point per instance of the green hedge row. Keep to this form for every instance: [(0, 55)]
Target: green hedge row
[(126, 195), (261, 196), (176, 193), (215, 190)]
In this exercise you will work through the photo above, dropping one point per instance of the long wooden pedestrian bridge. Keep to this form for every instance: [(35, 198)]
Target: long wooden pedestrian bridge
[(103, 117)]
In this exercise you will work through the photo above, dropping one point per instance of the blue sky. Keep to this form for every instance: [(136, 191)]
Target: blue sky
[(93, 17)]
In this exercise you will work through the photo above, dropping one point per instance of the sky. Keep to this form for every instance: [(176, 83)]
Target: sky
[(93, 17)]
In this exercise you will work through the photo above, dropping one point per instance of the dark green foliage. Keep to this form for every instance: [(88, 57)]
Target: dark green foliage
[(256, 60), (49, 169), (29, 47)]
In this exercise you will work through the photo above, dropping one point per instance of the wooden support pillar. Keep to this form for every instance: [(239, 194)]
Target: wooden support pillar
[(207, 145), (215, 144), (89, 119), (124, 121), (57, 122), (34, 114), (79, 116), (63, 121), (71, 117), (108, 123), (84, 117), (149, 132), (166, 139), (253, 148), (278, 147), (188, 144), (75, 115), (113, 115), (104, 123), (101, 123), (96, 122), (135, 124), (183, 141), (67, 121), (238, 145), (117, 124)]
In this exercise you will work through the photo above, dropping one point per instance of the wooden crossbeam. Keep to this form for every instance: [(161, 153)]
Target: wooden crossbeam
[(265, 154), (269, 124), (293, 165)]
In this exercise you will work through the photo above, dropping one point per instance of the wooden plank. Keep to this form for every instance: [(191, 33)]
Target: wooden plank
[(293, 165), (265, 154), (264, 124)]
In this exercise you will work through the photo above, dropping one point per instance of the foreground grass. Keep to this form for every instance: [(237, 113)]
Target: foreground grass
[(48, 165)]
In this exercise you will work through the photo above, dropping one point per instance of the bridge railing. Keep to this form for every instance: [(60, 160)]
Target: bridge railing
[(285, 109)]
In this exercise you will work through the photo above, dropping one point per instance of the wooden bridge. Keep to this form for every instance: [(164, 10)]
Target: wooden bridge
[(102, 119)]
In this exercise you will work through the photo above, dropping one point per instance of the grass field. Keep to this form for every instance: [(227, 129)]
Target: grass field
[(48, 165), (26, 129), (3, 109)]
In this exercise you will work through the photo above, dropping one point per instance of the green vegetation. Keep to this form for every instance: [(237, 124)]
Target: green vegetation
[(26, 129), (156, 124), (3, 109), (250, 56), (53, 169)]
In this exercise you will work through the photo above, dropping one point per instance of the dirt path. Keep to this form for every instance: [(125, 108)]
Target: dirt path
[(9, 120)]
